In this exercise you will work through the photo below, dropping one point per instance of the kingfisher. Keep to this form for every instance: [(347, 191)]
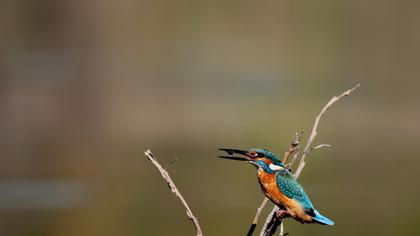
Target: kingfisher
[(279, 185)]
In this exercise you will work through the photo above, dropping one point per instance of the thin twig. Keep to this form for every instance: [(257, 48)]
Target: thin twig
[(292, 162), (267, 228), (298, 137), (314, 129), (282, 229), (174, 190), (293, 148), (257, 217), (272, 216), (274, 225), (319, 147)]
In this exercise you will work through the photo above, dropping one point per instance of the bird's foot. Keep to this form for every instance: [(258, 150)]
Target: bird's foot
[(282, 214)]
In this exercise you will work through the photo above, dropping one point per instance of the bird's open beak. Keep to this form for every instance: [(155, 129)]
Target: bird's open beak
[(245, 156)]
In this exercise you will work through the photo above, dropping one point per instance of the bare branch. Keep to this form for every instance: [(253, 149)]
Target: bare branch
[(271, 219), (319, 147), (298, 137), (281, 229), (174, 189), (257, 217), (294, 146), (290, 164), (314, 129)]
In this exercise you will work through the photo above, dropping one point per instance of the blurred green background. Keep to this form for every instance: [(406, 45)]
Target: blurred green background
[(87, 86)]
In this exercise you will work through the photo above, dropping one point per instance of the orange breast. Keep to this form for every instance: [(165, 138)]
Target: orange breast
[(271, 191)]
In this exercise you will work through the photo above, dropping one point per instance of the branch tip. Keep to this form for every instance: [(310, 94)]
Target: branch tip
[(174, 189)]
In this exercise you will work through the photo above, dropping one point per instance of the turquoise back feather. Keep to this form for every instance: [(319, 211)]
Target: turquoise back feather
[(292, 189)]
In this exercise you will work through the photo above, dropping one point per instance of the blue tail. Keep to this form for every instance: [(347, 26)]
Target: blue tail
[(318, 218)]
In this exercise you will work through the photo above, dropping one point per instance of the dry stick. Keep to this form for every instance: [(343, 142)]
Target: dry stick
[(320, 146), (270, 225), (314, 129), (294, 146), (308, 149), (174, 190), (282, 229), (257, 216), (292, 162), (298, 137)]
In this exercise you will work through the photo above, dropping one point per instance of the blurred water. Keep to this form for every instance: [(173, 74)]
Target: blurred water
[(40, 195)]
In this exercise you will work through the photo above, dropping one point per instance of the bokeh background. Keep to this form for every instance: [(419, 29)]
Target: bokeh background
[(87, 86)]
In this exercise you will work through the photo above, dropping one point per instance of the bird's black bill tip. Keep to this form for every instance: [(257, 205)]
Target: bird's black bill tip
[(234, 151), (231, 152), (233, 158)]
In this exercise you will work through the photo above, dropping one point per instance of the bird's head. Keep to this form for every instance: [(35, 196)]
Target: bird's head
[(261, 158)]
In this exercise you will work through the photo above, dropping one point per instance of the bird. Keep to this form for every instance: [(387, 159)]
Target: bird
[(279, 185)]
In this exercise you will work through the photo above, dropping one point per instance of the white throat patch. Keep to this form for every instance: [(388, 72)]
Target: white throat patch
[(275, 167)]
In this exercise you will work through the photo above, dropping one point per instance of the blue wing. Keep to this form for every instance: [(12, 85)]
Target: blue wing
[(292, 189)]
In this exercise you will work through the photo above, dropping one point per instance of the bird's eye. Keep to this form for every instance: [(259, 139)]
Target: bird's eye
[(254, 154)]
